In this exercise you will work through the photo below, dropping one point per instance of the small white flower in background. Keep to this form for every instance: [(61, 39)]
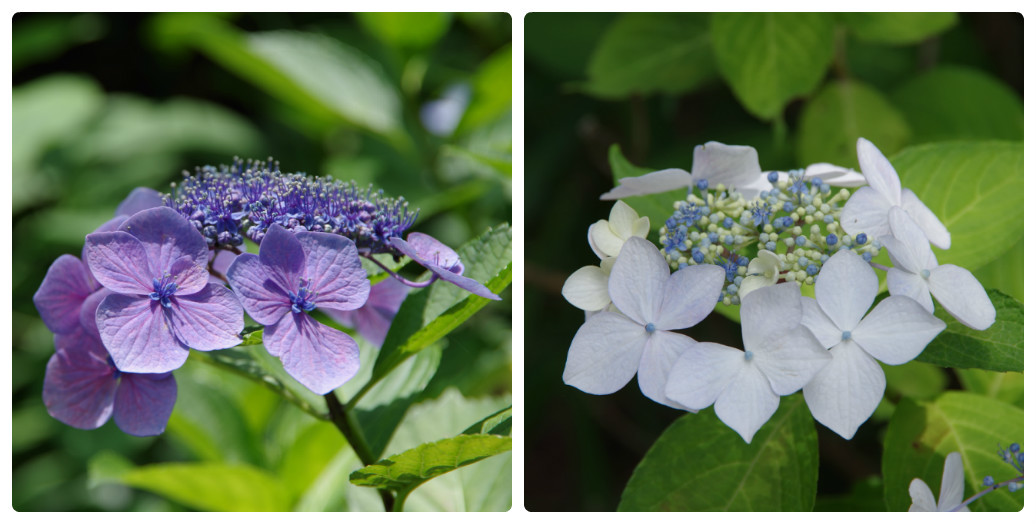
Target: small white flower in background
[(606, 237), (867, 211), (780, 357), (733, 166), (918, 275), (951, 492), (611, 347), (845, 393), (763, 271), (587, 288)]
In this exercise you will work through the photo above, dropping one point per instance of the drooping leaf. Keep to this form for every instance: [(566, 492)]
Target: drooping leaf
[(699, 464), (770, 58), (920, 435), (999, 348), (898, 28)]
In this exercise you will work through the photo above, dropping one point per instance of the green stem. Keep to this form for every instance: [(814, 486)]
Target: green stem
[(346, 424), (400, 499)]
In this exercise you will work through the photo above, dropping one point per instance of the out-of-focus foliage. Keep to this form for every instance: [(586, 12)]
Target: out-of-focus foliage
[(106, 102), (938, 93)]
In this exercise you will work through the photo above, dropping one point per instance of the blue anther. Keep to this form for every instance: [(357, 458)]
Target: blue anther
[(861, 238), (867, 256), (788, 207), (702, 184), (729, 239), (163, 289), (988, 481), (832, 239), (732, 289), (817, 181), (803, 261), (771, 246), (829, 219), (743, 261), (825, 188), (697, 256), (846, 335), (650, 327), (713, 237), (772, 177)]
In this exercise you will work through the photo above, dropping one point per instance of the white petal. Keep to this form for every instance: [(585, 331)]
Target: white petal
[(879, 172), (762, 271), (912, 286), (752, 283), (719, 163), (690, 295), (747, 403), (834, 175), (604, 354), (604, 241), (621, 219), (819, 324), (590, 240), (651, 183), (751, 191), (640, 227), (845, 289), (702, 372), (844, 394), (866, 211), (962, 295), (922, 497), (637, 281), (790, 359), (660, 354), (951, 492), (897, 330), (587, 289), (768, 311), (936, 232), (911, 250)]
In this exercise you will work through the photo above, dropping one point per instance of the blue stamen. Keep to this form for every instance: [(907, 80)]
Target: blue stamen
[(650, 327)]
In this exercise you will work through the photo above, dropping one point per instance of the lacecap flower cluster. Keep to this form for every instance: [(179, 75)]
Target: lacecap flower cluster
[(169, 273), (758, 239)]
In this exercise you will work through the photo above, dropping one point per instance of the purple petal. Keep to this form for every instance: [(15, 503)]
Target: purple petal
[(107, 227), (333, 267), (263, 299), (79, 385), (143, 403), (119, 262), (221, 260), (319, 357), (190, 277), (465, 283), (138, 335), (374, 319), (283, 257), (139, 199), (88, 313), (431, 251), (62, 292), (209, 319), (166, 236)]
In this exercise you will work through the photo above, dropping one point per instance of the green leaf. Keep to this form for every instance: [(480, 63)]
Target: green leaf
[(658, 207), (898, 28), (491, 91), (1005, 272), (866, 495), (920, 436), (405, 471), (915, 380), (498, 423), (410, 31), (999, 348), (699, 464), (646, 53), (975, 188), (953, 103), (1006, 387), (255, 363), (842, 112), (430, 314), (770, 58)]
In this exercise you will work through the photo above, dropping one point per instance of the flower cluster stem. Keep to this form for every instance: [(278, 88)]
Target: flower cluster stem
[(397, 276), (346, 424), (978, 495)]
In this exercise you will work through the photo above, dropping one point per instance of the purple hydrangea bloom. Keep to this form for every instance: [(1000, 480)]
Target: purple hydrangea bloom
[(375, 317), (83, 388), (162, 303), (442, 261), (292, 275)]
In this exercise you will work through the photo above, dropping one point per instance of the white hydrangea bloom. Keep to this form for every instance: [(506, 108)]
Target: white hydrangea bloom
[(606, 237)]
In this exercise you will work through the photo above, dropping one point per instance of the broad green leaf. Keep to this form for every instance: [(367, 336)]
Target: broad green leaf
[(975, 188), (771, 58), (428, 315), (915, 380), (699, 464), (647, 53), (920, 436), (953, 103), (498, 423), (842, 112), (1006, 387), (999, 348), (309, 456), (406, 471), (1005, 272), (658, 207), (491, 91), (410, 31), (898, 28)]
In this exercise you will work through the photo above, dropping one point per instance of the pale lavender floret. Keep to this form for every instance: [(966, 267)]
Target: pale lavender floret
[(83, 388), (61, 294), (292, 275), (442, 261), (374, 319), (162, 303)]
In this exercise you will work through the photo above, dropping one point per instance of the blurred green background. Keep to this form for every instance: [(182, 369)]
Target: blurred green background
[(417, 104), (659, 84)]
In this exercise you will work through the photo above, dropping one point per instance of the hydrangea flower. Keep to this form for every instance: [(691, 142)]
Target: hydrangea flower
[(374, 319), (918, 275), (83, 388), (442, 261), (951, 492), (294, 274), (780, 357), (611, 347), (846, 392), (764, 270), (162, 303), (606, 237), (867, 211)]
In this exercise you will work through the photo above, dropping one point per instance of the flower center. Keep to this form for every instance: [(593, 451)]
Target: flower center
[(748, 356), (303, 300), (650, 327), (164, 289), (846, 335), (925, 274)]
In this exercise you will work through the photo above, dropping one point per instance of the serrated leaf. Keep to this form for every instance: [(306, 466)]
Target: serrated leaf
[(646, 53), (770, 58), (999, 348), (405, 471), (842, 112), (699, 464), (920, 435), (898, 28), (975, 188)]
